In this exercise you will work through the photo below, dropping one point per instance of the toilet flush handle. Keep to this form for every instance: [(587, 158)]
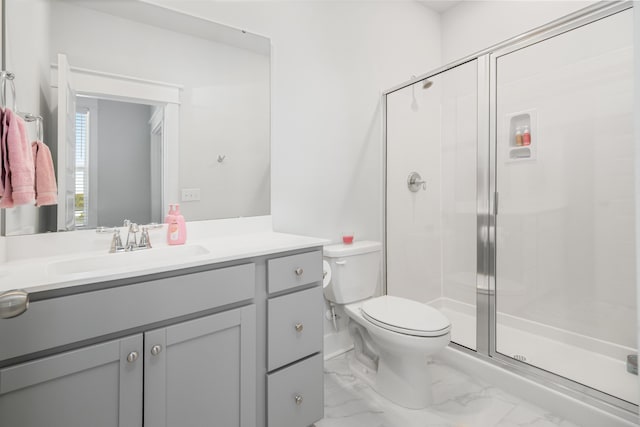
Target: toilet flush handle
[(341, 262)]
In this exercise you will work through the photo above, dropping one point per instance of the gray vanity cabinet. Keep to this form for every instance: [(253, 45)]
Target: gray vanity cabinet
[(202, 372), (98, 385), (237, 344)]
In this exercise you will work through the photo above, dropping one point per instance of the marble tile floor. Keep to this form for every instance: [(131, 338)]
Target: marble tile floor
[(459, 401)]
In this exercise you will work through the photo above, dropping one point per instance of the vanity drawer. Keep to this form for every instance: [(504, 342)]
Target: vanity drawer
[(295, 326), (296, 394), (295, 270), (68, 319)]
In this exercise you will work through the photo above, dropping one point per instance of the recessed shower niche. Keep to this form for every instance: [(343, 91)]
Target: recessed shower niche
[(522, 135)]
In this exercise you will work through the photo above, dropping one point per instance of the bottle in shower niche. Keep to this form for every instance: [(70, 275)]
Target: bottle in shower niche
[(526, 136), (518, 137), (177, 229)]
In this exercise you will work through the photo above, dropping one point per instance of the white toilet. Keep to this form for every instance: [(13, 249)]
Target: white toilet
[(393, 336)]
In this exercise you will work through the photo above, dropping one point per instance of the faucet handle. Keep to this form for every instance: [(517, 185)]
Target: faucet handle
[(144, 239), (116, 242)]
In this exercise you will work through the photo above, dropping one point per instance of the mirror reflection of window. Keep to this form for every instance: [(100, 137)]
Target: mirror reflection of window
[(81, 211)]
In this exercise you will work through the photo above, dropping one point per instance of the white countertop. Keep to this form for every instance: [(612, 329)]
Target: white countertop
[(215, 245)]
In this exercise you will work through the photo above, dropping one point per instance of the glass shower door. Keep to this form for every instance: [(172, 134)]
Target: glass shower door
[(565, 226), (431, 227)]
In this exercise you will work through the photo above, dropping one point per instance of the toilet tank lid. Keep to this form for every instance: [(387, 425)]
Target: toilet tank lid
[(355, 248)]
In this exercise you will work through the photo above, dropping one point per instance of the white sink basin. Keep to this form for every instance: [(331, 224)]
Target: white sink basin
[(147, 257)]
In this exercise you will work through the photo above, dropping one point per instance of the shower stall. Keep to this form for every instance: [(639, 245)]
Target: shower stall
[(510, 202)]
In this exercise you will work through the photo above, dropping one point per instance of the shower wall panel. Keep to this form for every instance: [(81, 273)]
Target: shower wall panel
[(414, 220)]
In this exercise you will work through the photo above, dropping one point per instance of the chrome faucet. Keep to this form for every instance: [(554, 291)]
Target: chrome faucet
[(132, 243)]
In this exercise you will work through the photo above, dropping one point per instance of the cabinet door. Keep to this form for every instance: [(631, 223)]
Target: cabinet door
[(202, 372), (99, 385)]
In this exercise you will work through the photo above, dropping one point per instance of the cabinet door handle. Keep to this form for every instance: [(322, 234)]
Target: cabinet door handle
[(13, 303), (299, 271), (299, 327), (132, 357), (156, 349), (298, 399)]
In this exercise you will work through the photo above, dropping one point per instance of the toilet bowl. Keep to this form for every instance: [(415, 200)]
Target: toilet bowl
[(393, 336)]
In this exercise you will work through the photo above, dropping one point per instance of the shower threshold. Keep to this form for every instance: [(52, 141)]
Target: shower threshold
[(594, 363)]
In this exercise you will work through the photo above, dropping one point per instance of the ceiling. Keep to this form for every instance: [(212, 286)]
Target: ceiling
[(440, 6)]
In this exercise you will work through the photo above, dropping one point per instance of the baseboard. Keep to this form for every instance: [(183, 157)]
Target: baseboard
[(336, 344)]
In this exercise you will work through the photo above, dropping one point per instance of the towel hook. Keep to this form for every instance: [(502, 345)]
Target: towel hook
[(28, 117), (7, 75)]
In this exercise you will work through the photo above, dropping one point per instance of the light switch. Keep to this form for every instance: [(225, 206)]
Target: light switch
[(190, 194)]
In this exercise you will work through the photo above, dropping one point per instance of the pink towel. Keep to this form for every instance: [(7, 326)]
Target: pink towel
[(19, 176), (45, 185)]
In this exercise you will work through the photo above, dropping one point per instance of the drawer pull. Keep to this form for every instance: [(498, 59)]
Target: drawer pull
[(132, 357), (299, 271), (156, 349), (299, 327), (298, 399)]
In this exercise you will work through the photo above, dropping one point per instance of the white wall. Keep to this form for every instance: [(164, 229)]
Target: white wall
[(472, 26), (331, 60), (27, 55)]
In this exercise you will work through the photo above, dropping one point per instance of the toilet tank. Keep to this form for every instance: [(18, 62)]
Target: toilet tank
[(355, 271)]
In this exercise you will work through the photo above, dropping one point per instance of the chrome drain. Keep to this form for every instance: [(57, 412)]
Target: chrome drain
[(520, 357)]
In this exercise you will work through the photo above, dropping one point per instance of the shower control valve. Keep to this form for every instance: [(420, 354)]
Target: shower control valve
[(415, 182)]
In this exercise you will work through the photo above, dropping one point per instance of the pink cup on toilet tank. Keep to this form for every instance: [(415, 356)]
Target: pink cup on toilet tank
[(347, 237)]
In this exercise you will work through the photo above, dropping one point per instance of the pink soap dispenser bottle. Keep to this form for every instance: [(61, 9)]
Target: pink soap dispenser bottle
[(177, 230), (170, 215)]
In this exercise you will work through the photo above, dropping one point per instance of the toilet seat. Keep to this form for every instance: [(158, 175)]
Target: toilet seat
[(405, 316)]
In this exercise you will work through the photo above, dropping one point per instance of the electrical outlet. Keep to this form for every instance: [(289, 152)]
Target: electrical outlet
[(190, 194)]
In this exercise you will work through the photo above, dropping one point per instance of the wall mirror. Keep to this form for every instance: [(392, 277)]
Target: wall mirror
[(143, 106)]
